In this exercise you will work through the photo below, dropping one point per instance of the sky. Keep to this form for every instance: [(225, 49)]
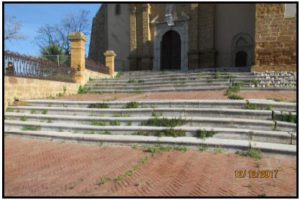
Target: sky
[(33, 16)]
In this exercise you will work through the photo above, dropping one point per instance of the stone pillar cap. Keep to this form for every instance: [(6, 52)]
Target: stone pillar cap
[(109, 53), (77, 36)]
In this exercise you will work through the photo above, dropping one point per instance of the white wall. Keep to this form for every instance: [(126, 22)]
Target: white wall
[(232, 19), (118, 34)]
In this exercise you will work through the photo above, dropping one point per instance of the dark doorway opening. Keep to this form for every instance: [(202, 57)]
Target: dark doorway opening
[(170, 57), (241, 59)]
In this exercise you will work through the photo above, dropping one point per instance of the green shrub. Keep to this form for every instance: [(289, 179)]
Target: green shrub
[(31, 128), (99, 123), (106, 133), (119, 74), (204, 133), (164, 122), (115, 123), (140, 81), (98, 105), (131, 81), (251, 106), (164, 133), (132, 105), (9, 109), (252, 153), (235, 88), (170, 132), (44, 112), (159, 149), (23, 118), (235, 97), (203, 147), (287, 118), (82, 90), (156, 114)]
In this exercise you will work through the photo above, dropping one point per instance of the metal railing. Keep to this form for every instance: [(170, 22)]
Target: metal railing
[(32, 67), (96, 66)]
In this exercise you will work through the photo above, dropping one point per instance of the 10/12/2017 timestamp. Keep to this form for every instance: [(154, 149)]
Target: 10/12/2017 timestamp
[(244, 173)]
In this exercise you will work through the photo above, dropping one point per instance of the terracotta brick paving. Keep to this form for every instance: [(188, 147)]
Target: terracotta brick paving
[(35, 167), (280, 95)]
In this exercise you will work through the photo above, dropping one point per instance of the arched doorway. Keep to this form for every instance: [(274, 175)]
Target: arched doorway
[(241, 59), (170, 51)]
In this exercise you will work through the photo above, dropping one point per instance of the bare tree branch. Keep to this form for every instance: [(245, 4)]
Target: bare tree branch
[(12, 28), (58, 34)]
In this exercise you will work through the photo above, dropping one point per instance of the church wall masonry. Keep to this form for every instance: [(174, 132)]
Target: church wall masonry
[(275, 38), (259, 37)]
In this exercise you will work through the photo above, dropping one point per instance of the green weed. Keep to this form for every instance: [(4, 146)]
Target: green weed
[(204, 133), (82, 90), (203, 147), (31, 128), (252, 153), (23, 118), (44, 112), (115, 123), (287, 117), (99, 123), (98, 105), (132, 105), (164, 122), (9, 109), (234, 97)]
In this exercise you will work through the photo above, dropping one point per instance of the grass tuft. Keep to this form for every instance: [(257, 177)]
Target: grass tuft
[(164, 122), (235, 97), (98, 105), (252, 153), (204, 133), (31, 128), (82, 90), (132, 105)]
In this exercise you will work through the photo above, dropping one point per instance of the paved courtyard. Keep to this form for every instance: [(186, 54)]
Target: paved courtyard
[(36, 167), (255, 94)]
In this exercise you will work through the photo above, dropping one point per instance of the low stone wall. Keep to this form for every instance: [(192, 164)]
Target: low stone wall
[(275, 80), (29, 88)]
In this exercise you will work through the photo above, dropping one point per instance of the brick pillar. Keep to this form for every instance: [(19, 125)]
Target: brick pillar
[(110, 61), (132, 28), (146, 35), (78, 41)]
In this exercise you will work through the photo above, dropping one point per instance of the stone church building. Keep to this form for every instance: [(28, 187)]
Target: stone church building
[(163, 36)]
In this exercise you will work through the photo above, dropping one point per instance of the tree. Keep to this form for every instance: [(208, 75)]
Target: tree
[(48, 35), (12, 28)]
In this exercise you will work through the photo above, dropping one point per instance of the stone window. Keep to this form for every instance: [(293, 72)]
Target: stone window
[(118, 9), (290, 10), (242, 49)]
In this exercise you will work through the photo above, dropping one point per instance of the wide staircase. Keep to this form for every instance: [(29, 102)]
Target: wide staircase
[(166, 81), (267, 125)]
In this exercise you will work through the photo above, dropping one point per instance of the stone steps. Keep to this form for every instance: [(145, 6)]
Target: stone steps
[(159, 89), (155, 85), (140, 121), (281, 137), (138, 112), (228, 144), (230, 122), (236, 104)]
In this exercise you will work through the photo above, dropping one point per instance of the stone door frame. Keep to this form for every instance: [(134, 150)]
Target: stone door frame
[(181, 27)]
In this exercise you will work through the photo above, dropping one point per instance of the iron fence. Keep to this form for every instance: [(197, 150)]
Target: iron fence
[(96, 66), (32, 67)]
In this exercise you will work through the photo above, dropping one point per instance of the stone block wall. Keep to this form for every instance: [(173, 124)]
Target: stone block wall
[(275, 48), (29, 88), (99, 38)]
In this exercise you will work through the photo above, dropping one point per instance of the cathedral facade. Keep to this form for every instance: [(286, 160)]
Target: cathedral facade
[(165, 36)]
